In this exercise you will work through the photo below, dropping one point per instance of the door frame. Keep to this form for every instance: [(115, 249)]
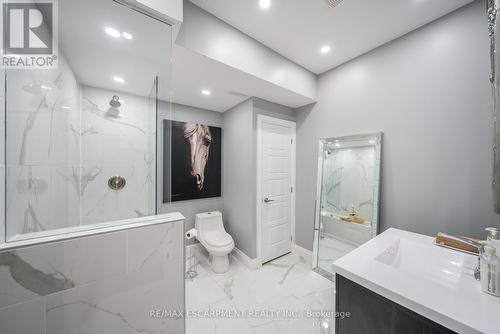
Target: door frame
[(261, 119)]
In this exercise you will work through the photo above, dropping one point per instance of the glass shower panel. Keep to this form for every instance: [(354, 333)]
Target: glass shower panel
[(81, 139), (42, 152)]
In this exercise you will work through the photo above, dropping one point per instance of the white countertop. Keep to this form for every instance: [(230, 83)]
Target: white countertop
[(433, 281)]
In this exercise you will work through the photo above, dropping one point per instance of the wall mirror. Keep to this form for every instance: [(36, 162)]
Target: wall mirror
[(347, 199)]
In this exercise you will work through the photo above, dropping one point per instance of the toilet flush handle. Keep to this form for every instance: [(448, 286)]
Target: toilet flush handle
[(267, 200)]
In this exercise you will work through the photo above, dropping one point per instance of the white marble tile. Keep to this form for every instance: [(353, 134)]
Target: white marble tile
[(122, 145), (40, 198), (121, 304), (283, 284), (2, 117), (102, 204), (349, 180), (202, 292), (11, 292), (157, 245), (332, 248), (24, 318), (2, 203), (48, 268), (40, 105)]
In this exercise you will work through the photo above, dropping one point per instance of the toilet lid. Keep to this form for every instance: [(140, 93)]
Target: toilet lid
[(218, 239)]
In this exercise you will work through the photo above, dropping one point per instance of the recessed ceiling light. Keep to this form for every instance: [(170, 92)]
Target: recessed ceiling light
[(119, 79), (127, 35), (206, 92), (325, 49), (264, 4), (112, 32)]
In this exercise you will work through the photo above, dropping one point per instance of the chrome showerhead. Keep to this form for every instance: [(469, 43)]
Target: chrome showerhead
[(115, 102)]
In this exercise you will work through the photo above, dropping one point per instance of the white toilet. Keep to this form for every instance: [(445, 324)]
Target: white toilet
[(210, 232)]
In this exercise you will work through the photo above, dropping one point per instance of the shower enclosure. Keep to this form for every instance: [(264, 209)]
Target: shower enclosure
[(81, 138)]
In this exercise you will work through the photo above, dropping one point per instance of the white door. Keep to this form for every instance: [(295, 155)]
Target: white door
[(276, 177)]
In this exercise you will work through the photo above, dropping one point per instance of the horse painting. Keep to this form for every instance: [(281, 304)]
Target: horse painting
[(192, 161), (199, 139)]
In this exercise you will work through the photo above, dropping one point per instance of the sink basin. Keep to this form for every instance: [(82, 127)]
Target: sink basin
[(428, 262), (435, 282)]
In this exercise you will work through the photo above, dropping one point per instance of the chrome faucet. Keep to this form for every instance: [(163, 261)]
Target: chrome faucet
[(480, 248)]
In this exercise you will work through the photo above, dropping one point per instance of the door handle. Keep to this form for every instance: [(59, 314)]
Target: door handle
[(267, 200)]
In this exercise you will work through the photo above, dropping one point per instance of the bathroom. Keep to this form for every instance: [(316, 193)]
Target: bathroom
[(251, 166)]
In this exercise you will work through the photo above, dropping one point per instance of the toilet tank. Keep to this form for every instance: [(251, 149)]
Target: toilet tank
[(208, 221)]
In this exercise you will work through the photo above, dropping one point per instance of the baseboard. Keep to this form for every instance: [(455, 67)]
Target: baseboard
[(199, 252), (252, 264), (301, 251)]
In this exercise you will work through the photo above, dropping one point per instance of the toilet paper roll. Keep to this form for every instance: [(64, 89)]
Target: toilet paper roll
[(192, 233)]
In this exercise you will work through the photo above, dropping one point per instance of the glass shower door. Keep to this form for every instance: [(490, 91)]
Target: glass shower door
[(81, 137)]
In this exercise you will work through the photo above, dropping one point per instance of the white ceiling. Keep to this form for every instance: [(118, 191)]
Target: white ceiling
[(297, 29), (192, 72), (96, 58)]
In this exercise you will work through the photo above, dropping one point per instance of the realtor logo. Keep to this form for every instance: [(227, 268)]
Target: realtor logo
[(28, 34)]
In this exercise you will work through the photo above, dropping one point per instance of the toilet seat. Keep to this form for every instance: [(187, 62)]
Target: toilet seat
[(218, 238)]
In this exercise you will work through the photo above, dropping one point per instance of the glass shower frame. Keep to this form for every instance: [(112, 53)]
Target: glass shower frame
[(154, 104)]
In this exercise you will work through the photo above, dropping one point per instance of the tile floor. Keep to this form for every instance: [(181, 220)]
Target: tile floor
[(284, 285), (331, 249)]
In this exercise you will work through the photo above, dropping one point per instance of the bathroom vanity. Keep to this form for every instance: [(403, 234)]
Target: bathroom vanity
[(401, 282)]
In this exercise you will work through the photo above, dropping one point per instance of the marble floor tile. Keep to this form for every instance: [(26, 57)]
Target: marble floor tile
[(286, 284), (23, 318)]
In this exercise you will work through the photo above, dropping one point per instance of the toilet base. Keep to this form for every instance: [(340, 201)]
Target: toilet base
[(220, 264)]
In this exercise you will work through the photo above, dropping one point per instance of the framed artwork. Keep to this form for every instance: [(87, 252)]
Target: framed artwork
[(192, 161)]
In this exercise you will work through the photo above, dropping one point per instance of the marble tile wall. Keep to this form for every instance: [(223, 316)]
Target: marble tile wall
[(64, 141), (2, 156), (348, 179), (117, 141), (106, 283), (42, 154)]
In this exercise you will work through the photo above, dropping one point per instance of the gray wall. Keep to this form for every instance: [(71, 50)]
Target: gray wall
[(190, 208), (429, 93), (240, 173), (239, 177), (263, 107)]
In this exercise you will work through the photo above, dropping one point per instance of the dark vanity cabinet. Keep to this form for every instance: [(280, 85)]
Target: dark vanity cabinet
[(370, 313)]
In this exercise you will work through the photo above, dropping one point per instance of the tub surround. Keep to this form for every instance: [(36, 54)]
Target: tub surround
[(435, 282), (110, 281)]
